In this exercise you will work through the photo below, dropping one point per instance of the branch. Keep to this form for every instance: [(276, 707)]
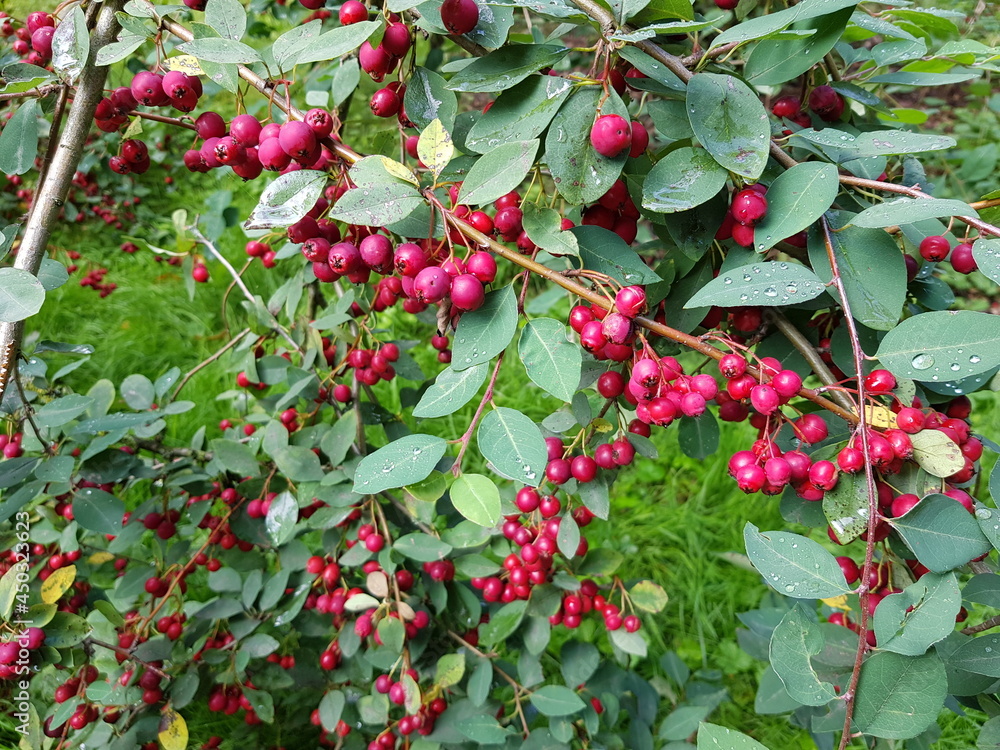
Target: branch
[(984, 625), (456, 468), (52, 194), (873, 514), (194, 370)]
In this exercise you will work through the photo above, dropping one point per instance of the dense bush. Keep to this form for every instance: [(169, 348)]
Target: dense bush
[(728, 214)]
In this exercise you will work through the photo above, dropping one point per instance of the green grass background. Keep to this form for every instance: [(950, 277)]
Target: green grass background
[(671, 517)]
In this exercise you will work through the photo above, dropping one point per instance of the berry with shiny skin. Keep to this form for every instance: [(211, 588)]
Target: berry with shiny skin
[(610, 135), (935, 248), (459, 16)]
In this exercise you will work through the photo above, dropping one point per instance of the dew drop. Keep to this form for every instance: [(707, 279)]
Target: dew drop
[(922, 362), (770, 292), (789, 588), (975, 360), (727, 281), (955, 367), (984, 514)]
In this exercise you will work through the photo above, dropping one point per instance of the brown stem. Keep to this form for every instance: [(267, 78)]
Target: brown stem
[(50, 197), (456, 468), (162, 118), (984, 625), (518, 688), (873, 514), (194, 370), (29, 413), (128, 655), (40, 92)]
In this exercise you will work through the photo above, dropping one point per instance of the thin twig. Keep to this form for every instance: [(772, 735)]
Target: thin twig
[(128, 655), (873, 514), (29, 413), (197, 368), (984, 625), (456, 468)]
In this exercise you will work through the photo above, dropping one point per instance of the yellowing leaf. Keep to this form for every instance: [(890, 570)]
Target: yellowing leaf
[(602, 425), (880, 417), (173, 733), (57, 583), (99, 558), (398, 170), (185, 64), (435, 147), (837, 602)]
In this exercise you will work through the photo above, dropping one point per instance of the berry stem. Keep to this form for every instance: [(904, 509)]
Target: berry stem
[(873, 511), (201, 365), (456, 468), (128, 655)]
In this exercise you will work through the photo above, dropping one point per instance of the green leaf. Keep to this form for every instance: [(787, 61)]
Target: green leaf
[(97, 510), (287, 48), (235, 457), (65, 630), (551, 361), (220, 50), (945, 346), (227, 17), (683, 179), (714, 737), (921, 615), (21, 294), (262, 702), (259, 645), (519, 114), (427, 98), (793, 643), (137, 391), (582, 175), (794, 201), (62, 410), (331, 708), (909, 210), (557, 700), (338, 42), (648, 596), (899, 696), (987, 255), (513, 445), (405, 461), (451, 391), (544, 227), (941, 533), (71, 45), (876, 142), (377, 204), (980, 655), (846, 506), (568, 536), (449, 670), (604, 251), (482, 334), (506, 67), (498, 171), (769, 284), (794, 565), (281, 518), (503, 622), (336, 443), (435, 147), (482, 729), (19, 144), (422, 547), (730, 121), (477, 498), (775, 61), (983, 588), (298, 463), (872, 270), (936, 453), (287, 199)]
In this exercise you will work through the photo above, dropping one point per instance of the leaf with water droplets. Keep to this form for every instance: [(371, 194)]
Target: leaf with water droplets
[(936, 453), (730, 121), (846, 507), (942, 534), (714, 737), (793, 642), (377, 205), (770, 284), (406, 461), (979, 655), (876, 142), (794, 201), (794, 565), (484, 333), (580, 173), (498, 171), (544, 227), (924, 613), (899, 696), (683, 179), (435, 147), (520, 113), (775, 61), (287, 199), (506, 67), (514, 446), (604, 251), (942, 346), (909, 210), (987, 255)]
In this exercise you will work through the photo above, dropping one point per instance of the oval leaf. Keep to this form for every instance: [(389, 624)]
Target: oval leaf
[(556, 700), (682, 179), (794, 201), (730, 121), (552, 362), (287, 199), (899, 696), (484, 333), (794, 565), (943, 346), (450, 391), (514, 446), (498, 171), (21, 294), (770, 284), (941, 533), (909, 210), (477, 498), (405, 461)]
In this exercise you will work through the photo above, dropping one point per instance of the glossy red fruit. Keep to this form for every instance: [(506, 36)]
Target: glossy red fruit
[(467, 292), (748, 207), (210, 125), (296, 139), (786, 107), (610, 135), (385, 103), (934, 249), (351, 12), (640, 139), (962, 259), (459, 16)]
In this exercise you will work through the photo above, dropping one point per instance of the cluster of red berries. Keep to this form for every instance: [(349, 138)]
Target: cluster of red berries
[(228, 699), (10, 445), (614, 211), (747, 208), (613, 135), (33, 41), (823, 100), (937, 248), (589, 599), (16, 652)]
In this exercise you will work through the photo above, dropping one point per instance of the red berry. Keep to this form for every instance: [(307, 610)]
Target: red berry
[(748, 207), (610, 135), (459, 16), (934, 249)]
